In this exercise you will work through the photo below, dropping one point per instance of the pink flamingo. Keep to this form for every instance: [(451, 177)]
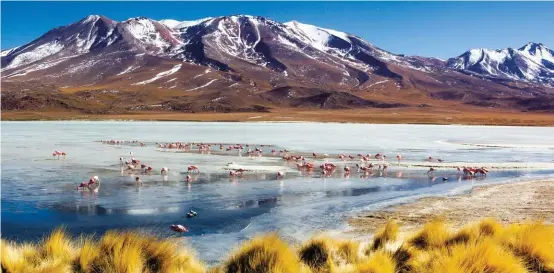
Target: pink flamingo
[(280, 174), (314, 155), (431, 170), (346, 169), (57, 153), (193, 169), (178, 228), (398, 157)]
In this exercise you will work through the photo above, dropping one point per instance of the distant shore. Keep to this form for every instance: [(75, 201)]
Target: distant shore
[(507, 203), (371, 115)]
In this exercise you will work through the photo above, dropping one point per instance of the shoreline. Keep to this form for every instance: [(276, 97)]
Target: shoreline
[(509, 202), (269, 122), (483, 117)]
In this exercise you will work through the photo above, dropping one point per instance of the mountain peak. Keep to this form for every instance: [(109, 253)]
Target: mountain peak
[(532, 63), (532, 46)]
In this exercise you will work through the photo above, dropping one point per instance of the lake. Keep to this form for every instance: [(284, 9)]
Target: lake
[(39, 192)]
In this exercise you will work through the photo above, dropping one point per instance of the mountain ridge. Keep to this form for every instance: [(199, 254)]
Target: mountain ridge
[(234, 62)]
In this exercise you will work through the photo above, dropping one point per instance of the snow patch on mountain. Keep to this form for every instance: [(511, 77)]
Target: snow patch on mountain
[(36, 54), (202, 86), (127, 70), (161, 75), (8, 51), (169, 22), (316, 37)]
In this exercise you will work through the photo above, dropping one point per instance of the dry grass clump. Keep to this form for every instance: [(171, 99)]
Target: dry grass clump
[(53, 254), (481, 230), (117, 252), (388, 233), (323, 254), (378, 262), (534, 242), (316, 254), (434, 234), (484, 247), (483, 256), (266, 253)]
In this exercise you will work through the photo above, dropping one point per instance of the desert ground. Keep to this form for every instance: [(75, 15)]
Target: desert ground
[(506, 203)]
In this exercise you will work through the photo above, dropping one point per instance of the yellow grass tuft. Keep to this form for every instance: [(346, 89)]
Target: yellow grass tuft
[(89, 252), (482, 256), (58, 246), (489, 227), (316, 254), (12, 258), (347, 251), (486, 247), (266, 253), (485, 228), (387, 234), (433, 234), (534, 242), (379, 262)]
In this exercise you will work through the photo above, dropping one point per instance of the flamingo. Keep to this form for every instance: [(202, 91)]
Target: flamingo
[(346, 169), (482, 171), (192, 169), (92, 185), (398, 157), (315, 155), (164, 171), (431, 170), (280, 174), (341, 157), (137, 181), (178, 228), (188, 178), (469, 172), (57, 153), (351, 157)]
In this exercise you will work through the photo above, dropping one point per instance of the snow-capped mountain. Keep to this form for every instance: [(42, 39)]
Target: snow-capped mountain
[(533, 62), (225, 60), (212, 42)]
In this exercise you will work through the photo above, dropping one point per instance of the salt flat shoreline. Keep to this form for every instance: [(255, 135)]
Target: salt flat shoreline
[(361, 116), (511, 202)]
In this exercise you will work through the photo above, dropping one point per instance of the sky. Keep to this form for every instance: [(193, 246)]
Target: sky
[(433, 29)]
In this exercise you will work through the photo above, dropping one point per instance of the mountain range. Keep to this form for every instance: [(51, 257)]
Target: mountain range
[(254, 64)]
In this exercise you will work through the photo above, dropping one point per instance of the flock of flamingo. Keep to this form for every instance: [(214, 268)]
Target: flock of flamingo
[(365, 164)]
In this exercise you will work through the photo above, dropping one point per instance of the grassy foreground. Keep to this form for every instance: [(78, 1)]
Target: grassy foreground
[(486, 247)]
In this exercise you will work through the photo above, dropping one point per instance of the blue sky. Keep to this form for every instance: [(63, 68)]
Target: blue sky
[(439, 29)]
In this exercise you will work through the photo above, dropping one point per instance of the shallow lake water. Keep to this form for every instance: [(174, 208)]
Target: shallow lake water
[(39, 192)]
